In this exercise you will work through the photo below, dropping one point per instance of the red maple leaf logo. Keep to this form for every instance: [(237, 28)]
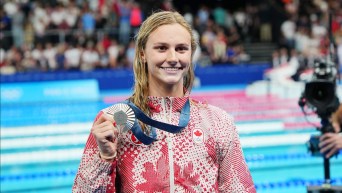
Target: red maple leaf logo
[(186, 179), (198, 133), (156, 177)]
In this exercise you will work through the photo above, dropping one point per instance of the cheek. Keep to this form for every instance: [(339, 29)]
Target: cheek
[(155, 59), (186, 60)]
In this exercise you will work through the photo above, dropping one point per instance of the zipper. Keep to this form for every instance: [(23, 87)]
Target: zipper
[(172, 175), (170, 146)]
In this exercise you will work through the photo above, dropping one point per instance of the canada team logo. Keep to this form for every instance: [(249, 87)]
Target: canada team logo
[(198, 136)]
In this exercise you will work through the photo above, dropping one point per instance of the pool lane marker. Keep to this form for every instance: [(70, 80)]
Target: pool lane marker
[(44, 130), (46, 156)]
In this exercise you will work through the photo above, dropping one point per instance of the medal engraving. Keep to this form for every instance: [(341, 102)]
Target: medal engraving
[(120, 118), (123, 115)]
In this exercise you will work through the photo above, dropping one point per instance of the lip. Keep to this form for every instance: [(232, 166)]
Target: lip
[(172, 68)]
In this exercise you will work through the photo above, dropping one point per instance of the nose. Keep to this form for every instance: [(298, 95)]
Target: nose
[(172, 57)]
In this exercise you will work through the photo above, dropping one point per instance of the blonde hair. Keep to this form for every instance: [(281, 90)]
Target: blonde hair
[(141, 85)]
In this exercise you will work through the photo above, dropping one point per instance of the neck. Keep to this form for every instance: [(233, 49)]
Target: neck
[(166, 91)]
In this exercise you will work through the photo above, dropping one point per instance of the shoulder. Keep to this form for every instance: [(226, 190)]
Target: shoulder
[(219, 124), (212, 112)]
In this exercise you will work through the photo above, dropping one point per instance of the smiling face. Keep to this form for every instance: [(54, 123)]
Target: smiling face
[(168, 56)]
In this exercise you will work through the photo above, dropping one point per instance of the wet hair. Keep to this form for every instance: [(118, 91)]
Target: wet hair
[(141, 85)]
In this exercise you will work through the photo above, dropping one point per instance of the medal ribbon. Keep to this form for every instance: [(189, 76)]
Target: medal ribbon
[(140, 115)]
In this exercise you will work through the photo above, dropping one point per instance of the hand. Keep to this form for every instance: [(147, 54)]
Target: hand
[(336, 126), (105, 134), (330, 143), (336, 119)]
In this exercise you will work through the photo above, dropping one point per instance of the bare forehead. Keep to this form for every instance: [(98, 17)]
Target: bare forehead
[(170, 32)]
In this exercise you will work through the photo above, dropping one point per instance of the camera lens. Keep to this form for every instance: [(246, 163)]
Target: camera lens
[(320, 94)]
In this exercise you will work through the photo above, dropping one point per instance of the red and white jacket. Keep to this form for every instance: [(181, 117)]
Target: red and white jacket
[(206, 156)]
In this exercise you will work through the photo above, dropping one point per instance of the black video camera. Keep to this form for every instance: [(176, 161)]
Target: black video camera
[(320, 95)]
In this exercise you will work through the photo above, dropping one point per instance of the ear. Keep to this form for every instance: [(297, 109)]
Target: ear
[(142, 54)]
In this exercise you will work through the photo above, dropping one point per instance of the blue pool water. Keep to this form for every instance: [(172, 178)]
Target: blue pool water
[(41, 146)]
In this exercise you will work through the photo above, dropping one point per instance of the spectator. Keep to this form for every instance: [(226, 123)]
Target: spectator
[(130, 54), (5, 27), (40, 20), (288, 29), (36, 20), (72, 14), (219, 46), (28, 64), (113, 53), (219, 14), (203, 18), (265, 22), (136, 18), (231, 55), (6, 66), (124, 27), (88, 21), (38, 57), (17, 27), (73, 57), (243, 57), (49, 54), (2, 57), (90, 58), (60, 57), (58, 17), (207, 39), (103, 57)]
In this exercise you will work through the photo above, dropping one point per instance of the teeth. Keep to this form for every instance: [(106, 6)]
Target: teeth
[(171, 68)]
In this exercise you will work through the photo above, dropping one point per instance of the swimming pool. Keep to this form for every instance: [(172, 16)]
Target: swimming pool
[(41, 144)]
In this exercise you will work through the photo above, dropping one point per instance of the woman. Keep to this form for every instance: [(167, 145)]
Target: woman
[(205, 156)]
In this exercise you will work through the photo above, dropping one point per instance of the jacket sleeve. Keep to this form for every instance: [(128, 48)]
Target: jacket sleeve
[(234, 174), (94, 174)]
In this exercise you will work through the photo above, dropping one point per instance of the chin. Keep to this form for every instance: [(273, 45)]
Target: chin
[(172, 82)]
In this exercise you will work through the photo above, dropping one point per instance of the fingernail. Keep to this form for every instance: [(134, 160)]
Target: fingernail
[(114, 124)]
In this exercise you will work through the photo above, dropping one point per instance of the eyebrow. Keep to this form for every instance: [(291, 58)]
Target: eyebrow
[(163, 43)]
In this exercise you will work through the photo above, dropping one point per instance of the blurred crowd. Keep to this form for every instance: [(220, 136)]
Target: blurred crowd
[(311, 33), (85, 35)]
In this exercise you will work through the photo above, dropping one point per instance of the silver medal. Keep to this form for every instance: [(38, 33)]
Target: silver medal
[(124, 116)]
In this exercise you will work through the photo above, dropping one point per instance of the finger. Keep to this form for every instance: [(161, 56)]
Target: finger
[(104, 118), (104, 127), (325, 135), (326, 141), (331, 152), (100, 120), (105, 137), (323, 141), (105, 124), (327, 147), (338, 128)]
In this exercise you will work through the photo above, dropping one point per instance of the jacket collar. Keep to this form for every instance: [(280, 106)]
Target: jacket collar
[(155, 103)]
